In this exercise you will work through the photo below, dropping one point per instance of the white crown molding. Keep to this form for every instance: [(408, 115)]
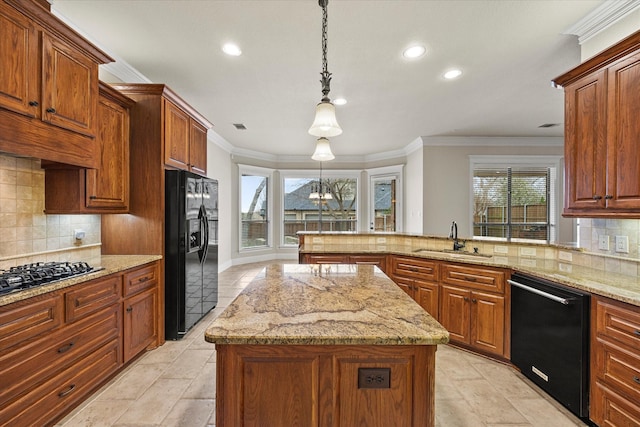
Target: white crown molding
[(601, 18), (414, 145), (123, 71), (493, 141), (219, 141)]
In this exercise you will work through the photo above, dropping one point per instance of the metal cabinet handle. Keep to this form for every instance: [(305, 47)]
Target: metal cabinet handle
[(129, 309), (66, 348), (596, 197), (67, 391), (473, 300), (51, 110), (93, 197), (143, 279), (637, 332), (471, 279), (466, 298), (637, 380), (33, 103), (608, 197)]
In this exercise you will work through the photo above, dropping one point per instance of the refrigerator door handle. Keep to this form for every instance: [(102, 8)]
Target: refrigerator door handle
[(204, 234)]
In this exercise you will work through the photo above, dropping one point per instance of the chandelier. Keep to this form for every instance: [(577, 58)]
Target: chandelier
[(325, 124)]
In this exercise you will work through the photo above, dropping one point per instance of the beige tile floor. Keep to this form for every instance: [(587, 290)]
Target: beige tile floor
[(174, 385)]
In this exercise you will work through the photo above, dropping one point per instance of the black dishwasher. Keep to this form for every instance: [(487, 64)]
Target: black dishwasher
[(550, 339)]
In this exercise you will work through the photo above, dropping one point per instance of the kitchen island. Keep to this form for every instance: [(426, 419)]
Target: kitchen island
[(330, 345)]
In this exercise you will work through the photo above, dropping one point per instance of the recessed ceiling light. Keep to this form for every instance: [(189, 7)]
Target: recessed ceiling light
[(452, 74), (414, 52), (231, 49), (339, 101)]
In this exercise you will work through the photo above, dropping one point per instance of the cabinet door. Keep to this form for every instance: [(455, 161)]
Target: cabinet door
[(426, 294), (378, 260), (404, 284), (198, 148), (454, 313), (19, 67), (623, 128), (487, 322), (108, 186), (176, 136), (585, 143), (70, 87), (140, 326)]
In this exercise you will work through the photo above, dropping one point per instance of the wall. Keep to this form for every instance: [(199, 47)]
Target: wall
[(219, 167), (611, 35), (447, 180), (26, 233), (414, 194)]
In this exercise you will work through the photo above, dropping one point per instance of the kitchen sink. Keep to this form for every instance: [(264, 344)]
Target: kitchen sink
[(453, 254)]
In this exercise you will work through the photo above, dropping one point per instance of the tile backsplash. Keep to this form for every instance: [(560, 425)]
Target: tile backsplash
[(592, 229), (26, 233)]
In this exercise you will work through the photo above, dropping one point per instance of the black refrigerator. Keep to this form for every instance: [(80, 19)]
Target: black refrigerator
[(191, 250)]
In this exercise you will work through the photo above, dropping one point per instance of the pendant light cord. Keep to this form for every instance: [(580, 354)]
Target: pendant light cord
[(326, 75)]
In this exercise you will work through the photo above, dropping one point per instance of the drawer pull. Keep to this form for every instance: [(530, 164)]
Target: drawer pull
[(636, 380), (637, 332), (67, 391), (51, 110), (66, 348), (473, 300), (33, 103), (471, 279), (466, 298), (129, 309), (143, 279)]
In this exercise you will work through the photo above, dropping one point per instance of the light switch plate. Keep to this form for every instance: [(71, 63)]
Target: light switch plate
[(603, 242), (622, 244)]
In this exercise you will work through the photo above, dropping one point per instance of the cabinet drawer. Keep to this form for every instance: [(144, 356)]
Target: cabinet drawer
[(29, 319), (473, 277), (619, 368), (328, 259), (90, 297), (140, 279), (30, 365), (608, 408), (44, 402), (414, 268), (619, 322)]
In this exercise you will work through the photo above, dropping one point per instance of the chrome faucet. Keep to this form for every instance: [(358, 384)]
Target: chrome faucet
[(454, 235)]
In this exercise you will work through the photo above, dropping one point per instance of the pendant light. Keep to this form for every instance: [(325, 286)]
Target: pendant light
[(323, 151), (325, 124)]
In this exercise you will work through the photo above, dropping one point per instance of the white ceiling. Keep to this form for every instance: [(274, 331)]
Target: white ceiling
[(508, 50)]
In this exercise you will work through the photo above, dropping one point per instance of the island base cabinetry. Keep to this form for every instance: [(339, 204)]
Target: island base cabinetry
[(615, 363), (325, 385)]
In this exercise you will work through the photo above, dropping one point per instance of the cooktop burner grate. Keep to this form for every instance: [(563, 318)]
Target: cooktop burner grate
[(40, 273)]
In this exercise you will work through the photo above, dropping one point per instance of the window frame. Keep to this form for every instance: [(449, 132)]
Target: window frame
[(315, 174), (256, 171), (524, 161)]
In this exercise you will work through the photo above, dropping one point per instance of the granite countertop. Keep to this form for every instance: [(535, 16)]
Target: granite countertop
[(324, 305), (105, 265), (620, 287)]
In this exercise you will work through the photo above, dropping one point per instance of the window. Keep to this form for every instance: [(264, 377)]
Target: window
[(254, 210), (313, 203), (512, 203), (515, 201)]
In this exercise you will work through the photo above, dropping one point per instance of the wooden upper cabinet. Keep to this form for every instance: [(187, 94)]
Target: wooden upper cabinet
[(69, 87), (602, 156), (105, 189), (19, 65), (623, 130), (176, 136), (185, 142), (198, 148), (585, 142), (48, 86)]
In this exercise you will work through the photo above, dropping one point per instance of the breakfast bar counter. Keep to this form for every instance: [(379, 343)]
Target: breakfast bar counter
[(330, 345)]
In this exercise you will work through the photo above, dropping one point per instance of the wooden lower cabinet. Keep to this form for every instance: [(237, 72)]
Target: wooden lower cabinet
[(475, 317), (378, 260), (280, 385), (418, 277), (615, 363), (57, 348)]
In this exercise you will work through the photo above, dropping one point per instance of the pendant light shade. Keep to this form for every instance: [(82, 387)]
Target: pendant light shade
[(325, 123), (323, 151)]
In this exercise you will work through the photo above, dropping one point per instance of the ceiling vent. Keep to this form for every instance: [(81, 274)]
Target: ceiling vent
[(240, 126), (549, 125)]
